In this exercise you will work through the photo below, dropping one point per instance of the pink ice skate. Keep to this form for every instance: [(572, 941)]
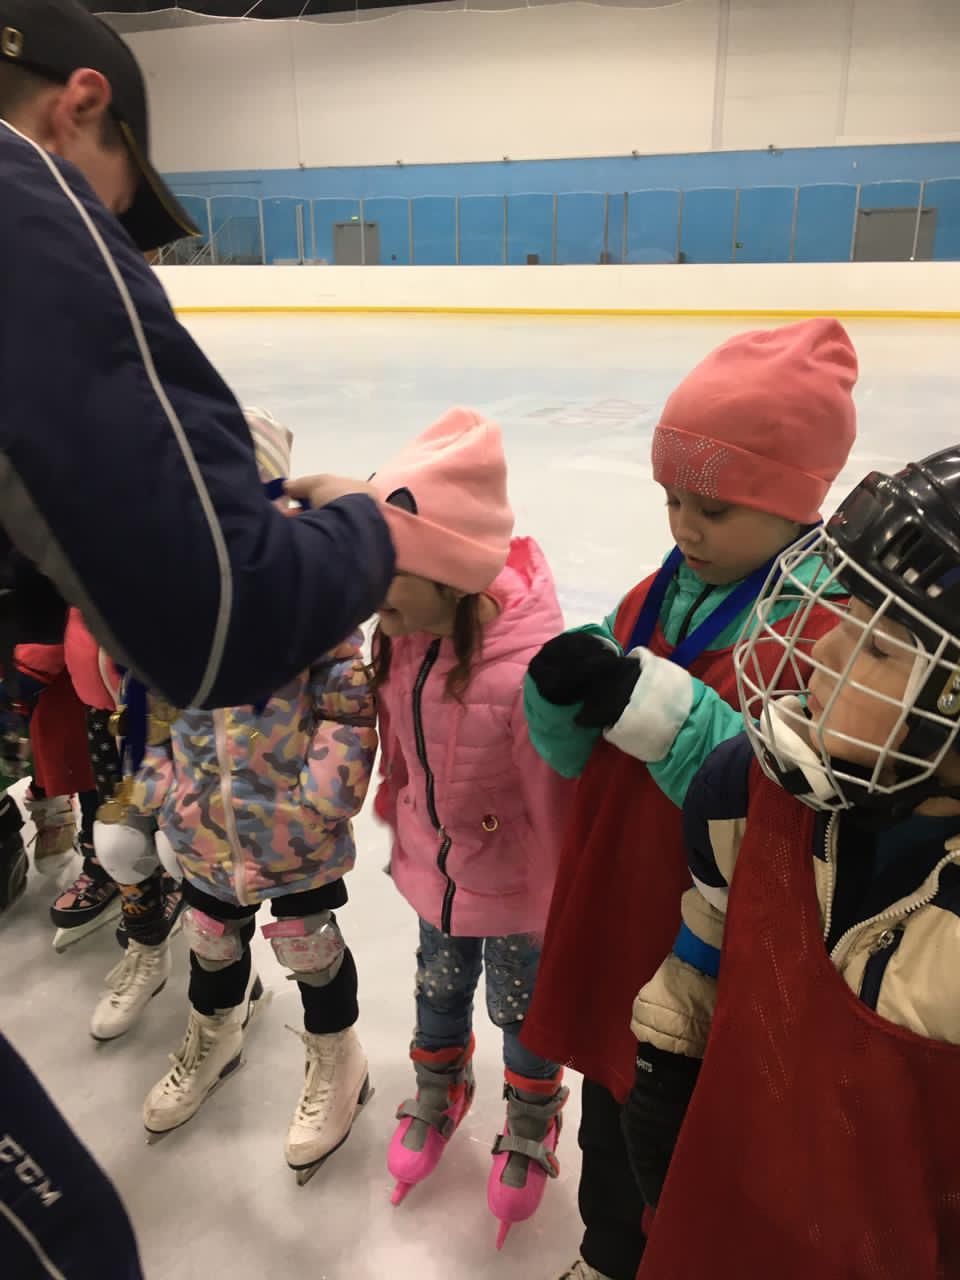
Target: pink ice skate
[(445, 1090), (523, 1155)]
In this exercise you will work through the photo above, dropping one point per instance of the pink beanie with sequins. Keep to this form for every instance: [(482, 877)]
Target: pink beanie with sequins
[(445, 500), (765, 421)]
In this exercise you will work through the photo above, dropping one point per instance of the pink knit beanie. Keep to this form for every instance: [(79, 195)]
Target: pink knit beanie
[(765, 421), (272, 443), (445, 500)]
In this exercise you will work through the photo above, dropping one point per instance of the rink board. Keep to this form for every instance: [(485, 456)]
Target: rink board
[(902, 290)]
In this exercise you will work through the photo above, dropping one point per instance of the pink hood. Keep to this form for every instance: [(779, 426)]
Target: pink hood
[(93, 672), (481, 859)]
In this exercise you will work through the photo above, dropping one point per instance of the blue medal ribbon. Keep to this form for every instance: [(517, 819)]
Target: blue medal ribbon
[(700, 639)]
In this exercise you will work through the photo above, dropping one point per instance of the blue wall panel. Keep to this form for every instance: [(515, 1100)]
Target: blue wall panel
[(707, 231), (580, 227), (908, 162), (435, 231), (652, 222), (764, 224), (529, 229), (392, 219), (481, 231), (944, 196), (646, 188), (825, 220)]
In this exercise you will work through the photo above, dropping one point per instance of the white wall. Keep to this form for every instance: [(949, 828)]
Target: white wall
[(892, 288), (433, 86)]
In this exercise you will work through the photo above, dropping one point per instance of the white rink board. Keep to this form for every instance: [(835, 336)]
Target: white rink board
[(864, 288)]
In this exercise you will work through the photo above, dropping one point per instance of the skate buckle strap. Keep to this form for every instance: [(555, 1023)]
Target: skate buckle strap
[(544, 1111), (442, 1079), (510, 1144), (414, 1109)]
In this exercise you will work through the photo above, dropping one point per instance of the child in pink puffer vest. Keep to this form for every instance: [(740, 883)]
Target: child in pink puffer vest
[(475, 814), (255, 804)]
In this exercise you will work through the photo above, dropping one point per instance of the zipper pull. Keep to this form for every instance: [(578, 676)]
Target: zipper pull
[(886, 940)]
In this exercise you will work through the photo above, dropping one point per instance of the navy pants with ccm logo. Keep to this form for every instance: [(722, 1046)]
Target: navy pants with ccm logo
[(60, 1215)]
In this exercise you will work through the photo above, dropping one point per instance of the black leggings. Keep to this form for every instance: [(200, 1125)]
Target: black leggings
[(325, 1009)]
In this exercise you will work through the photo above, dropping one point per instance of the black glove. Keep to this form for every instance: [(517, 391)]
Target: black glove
[(580, 667), (653, 1115)]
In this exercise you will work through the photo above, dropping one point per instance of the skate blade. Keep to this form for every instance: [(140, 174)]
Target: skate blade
[(305, 1172), (503, 1233), (154, 1136), (64, 938), (53, 864), (257, 1001)]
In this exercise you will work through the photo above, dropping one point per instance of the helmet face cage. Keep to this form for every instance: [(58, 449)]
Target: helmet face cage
[(774, 661)]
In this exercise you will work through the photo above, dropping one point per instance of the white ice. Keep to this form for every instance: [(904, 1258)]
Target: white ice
[(577, 401)]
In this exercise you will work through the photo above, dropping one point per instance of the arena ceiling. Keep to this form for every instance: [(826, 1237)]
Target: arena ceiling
[(153, 15)]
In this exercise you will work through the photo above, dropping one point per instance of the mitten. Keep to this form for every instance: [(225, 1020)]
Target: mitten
[(578, 667)]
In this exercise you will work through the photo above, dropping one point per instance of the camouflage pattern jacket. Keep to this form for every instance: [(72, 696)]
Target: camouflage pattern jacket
[(258, 803)]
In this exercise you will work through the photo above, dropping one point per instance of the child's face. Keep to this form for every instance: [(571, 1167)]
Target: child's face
[(722, 542), (417, 604), (880, 670)]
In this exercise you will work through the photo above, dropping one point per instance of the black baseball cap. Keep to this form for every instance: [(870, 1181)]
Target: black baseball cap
[(54, 38)]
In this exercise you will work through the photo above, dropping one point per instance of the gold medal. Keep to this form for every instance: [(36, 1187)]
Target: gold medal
[(161, 717), (119, 807)]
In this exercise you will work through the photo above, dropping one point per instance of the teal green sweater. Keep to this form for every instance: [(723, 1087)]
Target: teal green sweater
[(566, 746)]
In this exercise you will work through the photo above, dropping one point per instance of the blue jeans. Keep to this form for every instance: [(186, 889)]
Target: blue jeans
[(448, 970)]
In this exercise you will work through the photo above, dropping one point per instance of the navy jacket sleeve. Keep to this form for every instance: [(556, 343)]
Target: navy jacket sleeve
[(127, 471), (673, 1012), (715, 811)]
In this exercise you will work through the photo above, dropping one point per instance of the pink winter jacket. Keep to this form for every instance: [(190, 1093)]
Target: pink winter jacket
[(476, 814)]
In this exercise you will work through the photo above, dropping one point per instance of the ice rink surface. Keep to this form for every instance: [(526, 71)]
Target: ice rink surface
[(577, 400)]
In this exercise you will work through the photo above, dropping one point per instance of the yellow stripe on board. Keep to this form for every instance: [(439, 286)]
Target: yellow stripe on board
[(615, 312)]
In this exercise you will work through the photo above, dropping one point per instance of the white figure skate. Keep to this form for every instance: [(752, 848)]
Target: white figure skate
[(211, 1052), (139, 975), (336, 1088)]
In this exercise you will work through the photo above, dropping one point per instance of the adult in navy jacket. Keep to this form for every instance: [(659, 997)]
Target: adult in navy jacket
[(127, 478), (126, 468)]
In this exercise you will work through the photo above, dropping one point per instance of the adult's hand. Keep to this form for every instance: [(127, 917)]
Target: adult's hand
[(319, 491)]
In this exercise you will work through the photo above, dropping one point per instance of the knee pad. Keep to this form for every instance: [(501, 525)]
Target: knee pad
[(311, 947), (126, 849), (217, 944), (168, 857)]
